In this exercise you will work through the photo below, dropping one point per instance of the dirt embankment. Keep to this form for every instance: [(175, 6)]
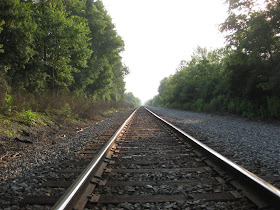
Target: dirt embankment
[(17, 138)]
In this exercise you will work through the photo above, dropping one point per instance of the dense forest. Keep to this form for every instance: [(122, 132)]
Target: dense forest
[(58, 52), (241, 78)]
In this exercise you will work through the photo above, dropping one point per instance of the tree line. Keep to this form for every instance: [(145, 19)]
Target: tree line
[(241, 78), (132, 99), (58, 46)]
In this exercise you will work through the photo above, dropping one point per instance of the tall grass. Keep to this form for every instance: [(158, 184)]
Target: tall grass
[(65, 106)]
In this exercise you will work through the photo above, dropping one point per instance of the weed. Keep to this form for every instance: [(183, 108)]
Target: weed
[(28, 117), (10, 134), (110, 111), (8, 105), (66, 111)]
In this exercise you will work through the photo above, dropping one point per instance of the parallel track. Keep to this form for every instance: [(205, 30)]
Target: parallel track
[(149, 163)]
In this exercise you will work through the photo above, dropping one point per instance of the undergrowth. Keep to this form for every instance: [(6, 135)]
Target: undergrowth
[(24, 109)]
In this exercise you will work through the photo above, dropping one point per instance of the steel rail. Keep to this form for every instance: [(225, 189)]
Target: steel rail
[(67, 197), (269, 189)]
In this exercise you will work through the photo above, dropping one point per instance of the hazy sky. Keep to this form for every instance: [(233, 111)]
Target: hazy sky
[(158, 34)]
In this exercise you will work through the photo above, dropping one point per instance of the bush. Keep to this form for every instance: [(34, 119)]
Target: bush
[(28, 117), (234, 106), (248, 109), (273, 105), (174, 105), (231, 106), (4, 95), (8, 105), (65, 112), (187, 106), (217, 104), (262, 112), (198, 105), (65, 107)]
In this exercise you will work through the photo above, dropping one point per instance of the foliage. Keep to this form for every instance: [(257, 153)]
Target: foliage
[(5, 89), (61, 45), (110, 111), (273, 106), (103, 78), (7, 105), (28, 117), (242, 78), (17, 39), (132, 99), (65, 112)]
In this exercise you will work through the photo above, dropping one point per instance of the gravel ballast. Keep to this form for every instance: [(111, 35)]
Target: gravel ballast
[(253, 143), (22, 176)]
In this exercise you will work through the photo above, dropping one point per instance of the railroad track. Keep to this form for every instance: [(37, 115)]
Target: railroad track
[(150, 164)]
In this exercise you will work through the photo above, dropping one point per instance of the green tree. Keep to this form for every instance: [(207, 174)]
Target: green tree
[(106, 46), (18, 41), (118, 84), (58, 45), (195, 83), (243, 78), (254, 34), (63, 43), (132, 99)]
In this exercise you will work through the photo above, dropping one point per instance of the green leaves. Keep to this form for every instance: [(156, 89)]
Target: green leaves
[(132, 99), (28, 117), (61, 45), (104, 77), (243, 78), (16, 36)]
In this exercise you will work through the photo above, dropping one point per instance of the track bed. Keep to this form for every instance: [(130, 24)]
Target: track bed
[(148, 165)]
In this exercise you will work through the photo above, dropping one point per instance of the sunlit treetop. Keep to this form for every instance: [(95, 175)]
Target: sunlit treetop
[(249, 6)]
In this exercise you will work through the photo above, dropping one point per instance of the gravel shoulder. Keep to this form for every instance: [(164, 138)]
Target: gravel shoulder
[(254, 143), (21, 176)]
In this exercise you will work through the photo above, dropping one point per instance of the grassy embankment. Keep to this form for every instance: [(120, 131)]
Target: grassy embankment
[(28, 121)]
